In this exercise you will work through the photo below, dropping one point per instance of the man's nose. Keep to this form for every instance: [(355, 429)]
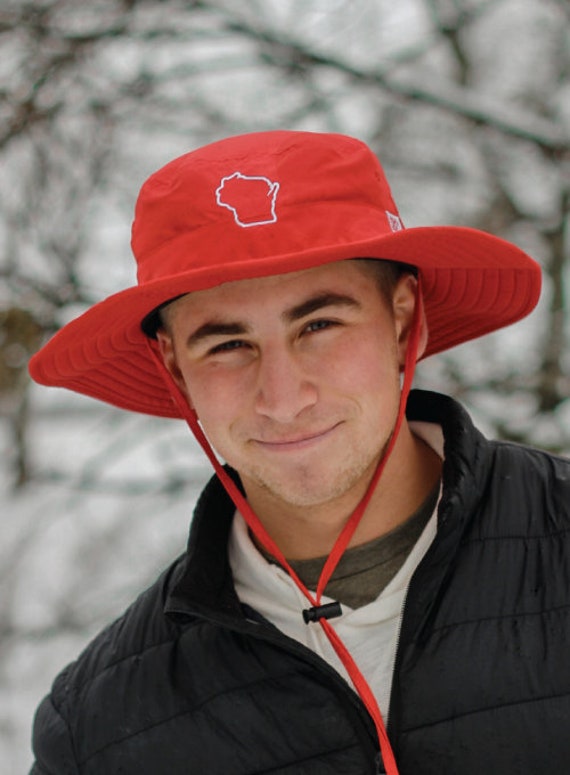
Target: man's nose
[(284, 388)]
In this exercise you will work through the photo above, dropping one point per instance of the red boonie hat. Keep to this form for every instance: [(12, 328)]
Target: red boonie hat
[(268, 203)]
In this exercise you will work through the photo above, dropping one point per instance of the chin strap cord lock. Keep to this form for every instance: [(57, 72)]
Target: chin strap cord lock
[(327, 611)]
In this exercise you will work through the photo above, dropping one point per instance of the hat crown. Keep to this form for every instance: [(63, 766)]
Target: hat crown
[(259, 195)]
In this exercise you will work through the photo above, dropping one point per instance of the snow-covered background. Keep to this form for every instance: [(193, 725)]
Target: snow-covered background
[(467, 103)]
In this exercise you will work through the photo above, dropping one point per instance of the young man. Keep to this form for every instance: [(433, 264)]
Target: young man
[(370, 585)]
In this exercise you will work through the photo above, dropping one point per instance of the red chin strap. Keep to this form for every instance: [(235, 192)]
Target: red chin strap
[(257, 528)]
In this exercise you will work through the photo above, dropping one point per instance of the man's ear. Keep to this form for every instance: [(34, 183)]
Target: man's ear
[(404, 303), (168, 354)]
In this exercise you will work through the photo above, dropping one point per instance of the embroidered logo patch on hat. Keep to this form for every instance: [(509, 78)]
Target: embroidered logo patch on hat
[(251, 199), (394, 221)]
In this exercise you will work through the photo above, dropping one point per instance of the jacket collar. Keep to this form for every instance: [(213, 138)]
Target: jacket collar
[(202, 583), (467, 454)]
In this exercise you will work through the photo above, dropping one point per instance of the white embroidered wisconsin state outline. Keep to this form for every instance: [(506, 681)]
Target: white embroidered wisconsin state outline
[(251, 199)]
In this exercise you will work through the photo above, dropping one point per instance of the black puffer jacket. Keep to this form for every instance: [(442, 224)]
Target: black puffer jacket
[(188, 682)]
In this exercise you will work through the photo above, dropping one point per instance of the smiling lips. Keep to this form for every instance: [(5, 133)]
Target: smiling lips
[(299, 442)]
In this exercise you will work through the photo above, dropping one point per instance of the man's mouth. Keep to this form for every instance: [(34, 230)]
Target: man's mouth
[(297, 441)]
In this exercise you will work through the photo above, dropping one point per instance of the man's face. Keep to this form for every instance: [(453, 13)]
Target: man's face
[(295, 378)]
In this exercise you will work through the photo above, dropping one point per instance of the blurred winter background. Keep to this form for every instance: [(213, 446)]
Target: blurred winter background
[(467, 103)]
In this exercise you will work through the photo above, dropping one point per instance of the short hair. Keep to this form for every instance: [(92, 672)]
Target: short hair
[(387, 273), (156, 319)]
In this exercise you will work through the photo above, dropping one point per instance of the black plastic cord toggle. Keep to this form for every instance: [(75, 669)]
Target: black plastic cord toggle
[(328, 611)]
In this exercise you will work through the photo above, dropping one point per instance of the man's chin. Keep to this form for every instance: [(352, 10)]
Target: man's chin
[(305, 490)]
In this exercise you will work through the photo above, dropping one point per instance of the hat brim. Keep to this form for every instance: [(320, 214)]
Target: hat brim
[(473, 283)]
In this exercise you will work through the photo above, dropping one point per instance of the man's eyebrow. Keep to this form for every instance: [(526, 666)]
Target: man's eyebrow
[(215, 328), (225, 328), (317, 302)]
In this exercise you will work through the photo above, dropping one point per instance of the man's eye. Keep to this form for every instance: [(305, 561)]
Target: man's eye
[(318, 325), (233, 344)]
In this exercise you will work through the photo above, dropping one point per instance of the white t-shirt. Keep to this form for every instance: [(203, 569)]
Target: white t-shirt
[(370, 632)]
